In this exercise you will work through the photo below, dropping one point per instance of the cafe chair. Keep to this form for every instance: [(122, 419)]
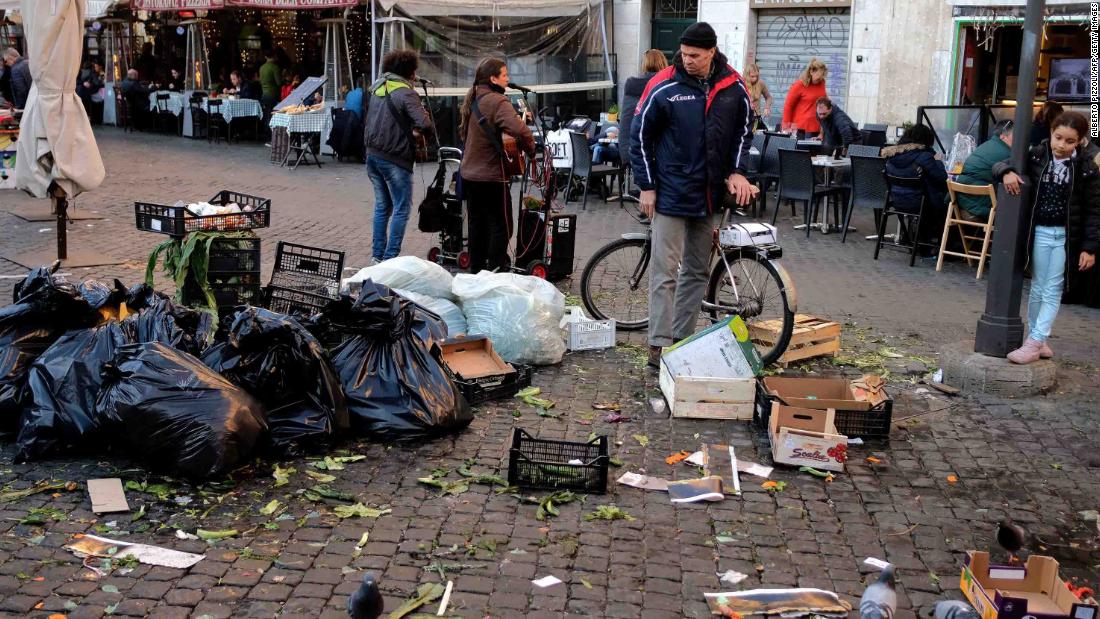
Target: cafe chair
[(797, 183), (123, 118), (970, 231), (909, 222), (584, 169), (864, 150), (874, 135), (215, 122), (768, 172), (164, 121), (867, 188), (198, 116)]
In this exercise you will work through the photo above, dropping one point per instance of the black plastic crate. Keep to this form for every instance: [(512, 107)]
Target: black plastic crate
[(312, 261), (227, 296), (544, 464), (481, 390), (174, 221), (234, 255), (869, 424)]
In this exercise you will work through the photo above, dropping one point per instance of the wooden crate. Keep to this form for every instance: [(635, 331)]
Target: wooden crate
[(811, 337)]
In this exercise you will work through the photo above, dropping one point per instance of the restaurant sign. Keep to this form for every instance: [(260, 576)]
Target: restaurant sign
[(798, 4), (185, 5), (176, 5)]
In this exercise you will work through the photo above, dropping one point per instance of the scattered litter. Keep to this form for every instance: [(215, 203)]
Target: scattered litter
[(951, 479), (181, 534), (750, 468), (644, 482), (855, 440), (733, 472), (948, 389), (45, 229), (695, 490), (425, 594), (658, 405), (359, 511), (616, 418), (1089, 515), (816, 473), (213, 536), (529, 395), (876, 563), (446, 599), (107, 496), (774, 486), (93, 546), (270, 508), (785, 602), (873, 460), (731, 576), (724, 539), (679, 456), (182, 501), (547, 581), (607, 406), (608, 512), (576, 461), (937, 376), (642, 439)]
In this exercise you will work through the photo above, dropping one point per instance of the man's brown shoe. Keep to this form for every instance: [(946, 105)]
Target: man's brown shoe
[(654, 357)]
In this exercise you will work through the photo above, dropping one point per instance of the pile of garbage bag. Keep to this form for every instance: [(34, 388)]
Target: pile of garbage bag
[(391, 367), (89, 368), (518, 313)]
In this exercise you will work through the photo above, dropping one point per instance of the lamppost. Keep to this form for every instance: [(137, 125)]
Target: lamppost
[(1000, 329)]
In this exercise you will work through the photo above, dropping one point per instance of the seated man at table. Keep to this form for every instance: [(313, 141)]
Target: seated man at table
[(978, 170), (837, 129), (606, 148), (137, 98)]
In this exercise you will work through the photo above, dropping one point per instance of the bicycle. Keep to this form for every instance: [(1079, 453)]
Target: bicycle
[(747, 282)]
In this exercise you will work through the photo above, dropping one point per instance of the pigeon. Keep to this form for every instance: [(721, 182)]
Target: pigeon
[(954, 609), (1011, 537), (880, 600), (366, 602)]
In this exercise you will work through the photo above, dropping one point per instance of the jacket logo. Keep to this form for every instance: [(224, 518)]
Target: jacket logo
[(677, 98)]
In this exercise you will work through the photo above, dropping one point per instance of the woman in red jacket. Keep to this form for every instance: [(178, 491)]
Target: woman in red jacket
[(800, 108)]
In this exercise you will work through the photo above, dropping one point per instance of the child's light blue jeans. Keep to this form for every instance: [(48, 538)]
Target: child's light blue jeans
[(1048, 272)]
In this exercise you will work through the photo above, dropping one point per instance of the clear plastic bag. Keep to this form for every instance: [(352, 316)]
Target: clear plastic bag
[(961, 147), (405, 273), (450, 313), (519, 314)]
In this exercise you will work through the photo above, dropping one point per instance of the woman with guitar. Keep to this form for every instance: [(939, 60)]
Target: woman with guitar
[(496, 141), (394, 139)]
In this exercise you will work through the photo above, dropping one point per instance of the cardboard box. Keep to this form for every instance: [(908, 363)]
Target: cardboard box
[(711, 375), (819, 393), (863, 408), (479, 371), (1013, 592), (806, 437)]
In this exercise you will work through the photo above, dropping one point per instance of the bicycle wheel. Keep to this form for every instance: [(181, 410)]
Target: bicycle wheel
[(615, 284), (757, 294)]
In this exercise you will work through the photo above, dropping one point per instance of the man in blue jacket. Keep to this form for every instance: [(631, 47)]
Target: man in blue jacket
[(689, 145), (20, 71)]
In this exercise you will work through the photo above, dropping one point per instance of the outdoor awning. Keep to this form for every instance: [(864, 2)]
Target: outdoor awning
[(182, 5), (511, 8), (541, 89), (96, 8)]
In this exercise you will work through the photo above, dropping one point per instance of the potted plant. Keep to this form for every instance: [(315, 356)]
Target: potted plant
[(613, 113)]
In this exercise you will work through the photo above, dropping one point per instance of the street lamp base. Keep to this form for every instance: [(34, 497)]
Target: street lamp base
[(998, 335), (977, 373)]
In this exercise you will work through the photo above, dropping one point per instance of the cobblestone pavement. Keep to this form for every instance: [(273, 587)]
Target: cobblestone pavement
[(1032, 459)]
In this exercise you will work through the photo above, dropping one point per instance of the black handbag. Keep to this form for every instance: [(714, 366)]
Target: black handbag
[(432, 210)]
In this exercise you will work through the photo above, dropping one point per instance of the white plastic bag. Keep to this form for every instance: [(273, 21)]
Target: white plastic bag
[(404, 273), (961, 147), (449, 312), (519, 314)]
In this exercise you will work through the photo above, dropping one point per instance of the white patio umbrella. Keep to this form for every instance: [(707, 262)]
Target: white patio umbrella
[(57, 155)]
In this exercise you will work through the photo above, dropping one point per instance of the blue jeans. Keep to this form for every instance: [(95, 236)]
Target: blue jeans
[(1048, 272), (392, 203)]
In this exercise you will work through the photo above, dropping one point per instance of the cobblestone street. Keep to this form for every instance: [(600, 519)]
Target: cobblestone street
[(1034, 460)]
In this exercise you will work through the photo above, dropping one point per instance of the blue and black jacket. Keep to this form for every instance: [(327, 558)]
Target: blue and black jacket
[(689, 135)]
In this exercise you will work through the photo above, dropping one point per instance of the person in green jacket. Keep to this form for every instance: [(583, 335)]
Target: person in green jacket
[(978, 170), (270, 82)]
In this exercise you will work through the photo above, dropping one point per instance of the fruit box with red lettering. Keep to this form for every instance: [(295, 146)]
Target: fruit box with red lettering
[(1033, 590), (806, 437)]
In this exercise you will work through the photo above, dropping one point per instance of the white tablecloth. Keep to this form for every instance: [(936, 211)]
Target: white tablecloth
[(237, 108), (309, 122), (175, 101)]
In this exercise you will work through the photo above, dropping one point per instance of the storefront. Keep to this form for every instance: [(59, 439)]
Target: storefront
[(987, 53), (789, 35)]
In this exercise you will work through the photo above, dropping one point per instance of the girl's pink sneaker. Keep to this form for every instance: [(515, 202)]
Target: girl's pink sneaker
[(1028, 353), (1045, 352)]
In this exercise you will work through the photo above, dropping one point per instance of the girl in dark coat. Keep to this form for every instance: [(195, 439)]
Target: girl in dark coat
[(1064, 223), (913, 156)]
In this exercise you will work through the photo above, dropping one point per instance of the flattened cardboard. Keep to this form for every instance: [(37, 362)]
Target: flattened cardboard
[(107, 496), (722, 350), (1041, 592), (819, 393), (804, 437), (470, 358)]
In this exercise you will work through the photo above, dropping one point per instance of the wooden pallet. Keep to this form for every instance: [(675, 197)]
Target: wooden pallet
[(811, 337)]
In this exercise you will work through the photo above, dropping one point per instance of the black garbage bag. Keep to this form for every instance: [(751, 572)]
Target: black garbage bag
[(276, 360), (166, 407), (391, 368), (157, 318), (102, 297), (43, 310), (64, 383)]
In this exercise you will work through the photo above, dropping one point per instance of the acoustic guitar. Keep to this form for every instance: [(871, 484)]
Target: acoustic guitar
[(420, 146), (515, 160)]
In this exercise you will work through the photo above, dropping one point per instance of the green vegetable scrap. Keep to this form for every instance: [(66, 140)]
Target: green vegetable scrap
[(608, 512), (642, 439), (530, 395), (270, 508), (321, 477), (448, 487), (360, 511), (187, 263), (424, 594), (43, 486), (548, 506), (282, 476), (330, 493), (213, 536)]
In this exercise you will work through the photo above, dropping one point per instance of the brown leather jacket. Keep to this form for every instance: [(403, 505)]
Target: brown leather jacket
[(480, 161)]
